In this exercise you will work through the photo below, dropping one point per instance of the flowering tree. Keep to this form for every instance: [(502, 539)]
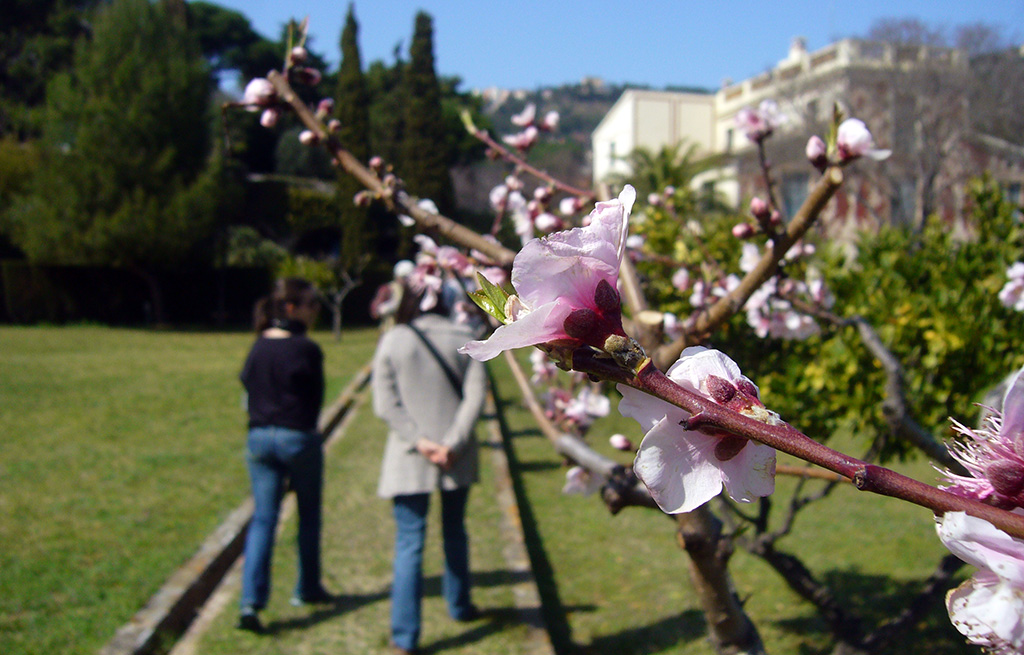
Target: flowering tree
[(706, 428)]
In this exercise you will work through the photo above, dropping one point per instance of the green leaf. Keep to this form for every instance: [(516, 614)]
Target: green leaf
[(491, 298)]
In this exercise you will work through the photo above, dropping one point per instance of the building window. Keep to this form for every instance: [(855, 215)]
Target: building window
[(707, 196), (794, 192)]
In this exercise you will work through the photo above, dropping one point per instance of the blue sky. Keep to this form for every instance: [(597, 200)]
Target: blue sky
[(531, 43)]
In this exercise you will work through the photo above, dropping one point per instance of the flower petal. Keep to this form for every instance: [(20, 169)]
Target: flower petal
[(751, 473), (645, 409), (981, 544), (543, 324), (1013, 408), (696, 363), (678, 467), (988, 612)]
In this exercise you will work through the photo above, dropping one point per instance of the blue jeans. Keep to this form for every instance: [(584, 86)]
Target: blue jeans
[(407, 589), (280, 456)]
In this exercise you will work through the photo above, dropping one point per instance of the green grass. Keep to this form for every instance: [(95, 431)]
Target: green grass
[(122, 451), (357, 548), (619, 584)]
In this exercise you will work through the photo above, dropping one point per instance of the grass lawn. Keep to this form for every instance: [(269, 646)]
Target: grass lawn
[(620, 584), (122, 450)]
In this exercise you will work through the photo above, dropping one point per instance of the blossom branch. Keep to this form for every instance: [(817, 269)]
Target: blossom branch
[(522, 164), (396, 201), (707, 321), (707, 414)]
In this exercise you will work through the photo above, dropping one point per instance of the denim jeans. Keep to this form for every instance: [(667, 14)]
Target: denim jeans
[(407, 589), (280, 456)]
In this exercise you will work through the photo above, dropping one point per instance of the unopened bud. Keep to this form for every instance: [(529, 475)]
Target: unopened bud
[(269, 117), (376, 163), (721, 390), (817, 152), (580, 323), (743, 230), (775, 218), (324, 107), (620, 442), (307, 76), (607, 298), (299, 55), (1006, 476), (308, 138), (759, 208), (363, 198), (333, 126)]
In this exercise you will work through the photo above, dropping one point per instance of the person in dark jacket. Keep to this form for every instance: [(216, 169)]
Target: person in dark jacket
[(284, 379)]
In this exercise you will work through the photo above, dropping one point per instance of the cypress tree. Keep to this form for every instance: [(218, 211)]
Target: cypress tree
[(352, 108), (424, 164)]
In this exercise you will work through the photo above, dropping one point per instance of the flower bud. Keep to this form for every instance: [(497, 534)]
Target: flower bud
[(607, 298), (817, 152), (308, 138), (269, 117), (324, 107), (720, 389), (259, 92), (376, 163), (306, 75), (743, 230), (299, 55), (620, 442), (333, 126), (759, 208)]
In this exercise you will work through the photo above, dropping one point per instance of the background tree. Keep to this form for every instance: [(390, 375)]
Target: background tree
[(125, 179), (352, 108), (424, 163)]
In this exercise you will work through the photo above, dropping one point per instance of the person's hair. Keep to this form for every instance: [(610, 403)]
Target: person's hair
[(289, 290), (409, 306)]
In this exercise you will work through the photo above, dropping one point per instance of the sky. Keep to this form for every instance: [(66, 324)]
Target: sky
[(527, 44)]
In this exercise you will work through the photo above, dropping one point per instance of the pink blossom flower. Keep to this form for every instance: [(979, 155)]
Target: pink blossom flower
[(653, 199), (547, 222), (1012, 293), (587, 406), (993, 454), (569, 206), (674, 328), (759, 123), (526, 117), (495, 275), (566, 274), (549, 122), (543, 368), (759, 208), (817, 152), (853, 140), (259, 92), (620, 442), (681, 279), (523, 140), (988, 608), (684, 469)]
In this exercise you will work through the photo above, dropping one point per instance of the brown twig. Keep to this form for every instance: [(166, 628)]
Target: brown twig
[(509, 156)]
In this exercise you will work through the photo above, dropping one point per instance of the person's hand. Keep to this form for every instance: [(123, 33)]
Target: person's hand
[(435, 453)]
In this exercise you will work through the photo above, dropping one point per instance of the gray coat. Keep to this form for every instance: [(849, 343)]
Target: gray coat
[(414, 396)]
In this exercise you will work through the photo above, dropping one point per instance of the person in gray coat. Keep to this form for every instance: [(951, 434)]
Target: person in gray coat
[(430, 396)]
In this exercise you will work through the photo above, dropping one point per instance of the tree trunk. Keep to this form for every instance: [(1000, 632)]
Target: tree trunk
[(730, 631)]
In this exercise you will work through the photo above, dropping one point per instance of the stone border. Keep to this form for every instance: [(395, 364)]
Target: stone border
[(172, 609), (525, 593)]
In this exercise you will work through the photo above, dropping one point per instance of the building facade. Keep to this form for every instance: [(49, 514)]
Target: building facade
[(921, 102)]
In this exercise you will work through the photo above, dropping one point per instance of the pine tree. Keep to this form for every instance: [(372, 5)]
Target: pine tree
[(352, 108), (126, 180), (424, 164)]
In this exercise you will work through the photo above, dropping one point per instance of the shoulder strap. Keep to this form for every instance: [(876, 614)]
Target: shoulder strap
[(454, 379)]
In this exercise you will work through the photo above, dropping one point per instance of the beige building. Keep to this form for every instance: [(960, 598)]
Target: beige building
[(921, 102)]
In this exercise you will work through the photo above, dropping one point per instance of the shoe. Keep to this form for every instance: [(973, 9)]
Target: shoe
[(398, 650), (471, 614), (250, 622), (320, 597)]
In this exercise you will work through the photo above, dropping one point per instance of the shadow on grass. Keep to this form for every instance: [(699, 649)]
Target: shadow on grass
[(877, 599), (553, 611), (652, 638), (341, 604)]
